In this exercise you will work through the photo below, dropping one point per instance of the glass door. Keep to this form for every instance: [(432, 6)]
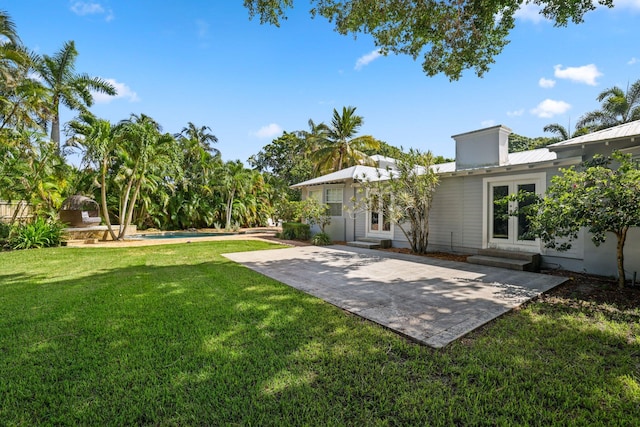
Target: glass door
[(379, 223), (506, 229)]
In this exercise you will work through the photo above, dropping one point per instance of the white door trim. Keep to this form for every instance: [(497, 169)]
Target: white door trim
[(539, 179)]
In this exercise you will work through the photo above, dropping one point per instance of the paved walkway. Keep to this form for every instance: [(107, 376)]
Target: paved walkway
[(429, 300)]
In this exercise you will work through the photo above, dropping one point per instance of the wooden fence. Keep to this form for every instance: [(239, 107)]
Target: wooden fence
[(8, 209)]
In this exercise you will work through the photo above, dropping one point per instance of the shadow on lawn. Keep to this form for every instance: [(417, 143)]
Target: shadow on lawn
[(215, 343)]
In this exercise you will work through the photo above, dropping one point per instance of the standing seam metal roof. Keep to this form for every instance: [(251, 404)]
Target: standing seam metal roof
[(625, 130)]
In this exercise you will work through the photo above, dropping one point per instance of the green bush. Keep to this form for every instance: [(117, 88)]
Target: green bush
[(38, 234), (5, 229), (296, 231), (321, 239)]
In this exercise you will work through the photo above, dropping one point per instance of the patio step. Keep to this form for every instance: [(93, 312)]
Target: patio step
[(513, 260), (370, 243)]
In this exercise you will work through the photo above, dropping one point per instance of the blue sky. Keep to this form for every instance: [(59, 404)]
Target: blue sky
[(205, 62)]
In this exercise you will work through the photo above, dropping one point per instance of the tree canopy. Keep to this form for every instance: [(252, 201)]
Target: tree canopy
[(336, 145), (618, 107), (451, 36), (404, 198), (603, 196)]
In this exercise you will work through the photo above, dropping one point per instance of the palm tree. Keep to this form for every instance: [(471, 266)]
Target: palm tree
[(201, 135), (22, 98), (335, 145), (563, 133), (96, 137), (618, 107), (234, 181), (148, 156), (66, 87), (11, 52)]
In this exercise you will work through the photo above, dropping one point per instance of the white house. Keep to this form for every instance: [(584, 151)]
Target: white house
[(463, 217)]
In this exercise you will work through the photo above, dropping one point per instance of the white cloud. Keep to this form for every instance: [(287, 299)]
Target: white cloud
[(123, 91), (627, 4), (633, 60), (83, 8), (515, 113), (586, 74), (546, 83), (269, 131), (549, 108), (487, 123), (530, 12), (367, 59)]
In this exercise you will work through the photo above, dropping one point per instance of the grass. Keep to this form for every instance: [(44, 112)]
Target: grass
[(178, 335)]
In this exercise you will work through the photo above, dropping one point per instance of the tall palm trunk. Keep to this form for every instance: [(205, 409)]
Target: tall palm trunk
[(230, 207), (103, 197)]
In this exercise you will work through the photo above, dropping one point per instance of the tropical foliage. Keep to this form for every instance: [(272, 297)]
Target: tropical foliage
[(66, 87), (405, 196), (140, 174), (602, 196), (618, 107), (41, 233), (522, 143), (562, 133), (336, 146)]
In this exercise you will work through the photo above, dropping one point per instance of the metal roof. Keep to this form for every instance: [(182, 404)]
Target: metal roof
[(625, 130), (374, 174), (514, 159), (354, 172)]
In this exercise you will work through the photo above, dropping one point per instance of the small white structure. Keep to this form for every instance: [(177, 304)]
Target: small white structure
[(464, 217)]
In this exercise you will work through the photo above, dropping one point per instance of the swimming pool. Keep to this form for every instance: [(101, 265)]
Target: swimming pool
[(178, 235)]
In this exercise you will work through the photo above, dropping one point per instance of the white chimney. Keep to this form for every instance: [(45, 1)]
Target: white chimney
[(481, 148)]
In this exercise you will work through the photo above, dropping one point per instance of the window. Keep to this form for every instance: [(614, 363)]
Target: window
[(334, 200), (500, 213), (315, 195)]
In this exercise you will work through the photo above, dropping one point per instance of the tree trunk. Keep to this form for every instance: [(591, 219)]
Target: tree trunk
[(103, 196), (124, 204), (129, 214), (230, 209), (622, 237), (55, 131)]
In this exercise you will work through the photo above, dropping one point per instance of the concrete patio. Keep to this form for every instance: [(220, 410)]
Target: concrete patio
[(429, 300)]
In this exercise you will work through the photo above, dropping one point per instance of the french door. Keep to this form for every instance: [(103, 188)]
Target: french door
[(506, 230), (378, 223)]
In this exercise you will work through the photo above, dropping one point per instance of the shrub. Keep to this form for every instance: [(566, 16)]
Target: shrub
[(296, 231), (38, 234), (321, 239), (5, 229)]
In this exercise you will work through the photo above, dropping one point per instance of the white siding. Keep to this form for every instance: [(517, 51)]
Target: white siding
[(357, 222), (445, 219), (603, 259), (472, 212)]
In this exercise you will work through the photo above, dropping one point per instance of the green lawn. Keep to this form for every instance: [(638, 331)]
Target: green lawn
[(178, 335)]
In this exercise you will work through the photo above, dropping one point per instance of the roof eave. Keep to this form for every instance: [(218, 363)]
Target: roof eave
[(514, 168)]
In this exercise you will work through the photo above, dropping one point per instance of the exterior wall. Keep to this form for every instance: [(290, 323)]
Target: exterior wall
[(446, 223), (456, 225), (340, 226), (602, 259), (484, 147), (359, 222)]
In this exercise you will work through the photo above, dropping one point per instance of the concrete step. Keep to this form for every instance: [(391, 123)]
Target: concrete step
[(383, 243), (366, 245), (502, 253), (509, 263)]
